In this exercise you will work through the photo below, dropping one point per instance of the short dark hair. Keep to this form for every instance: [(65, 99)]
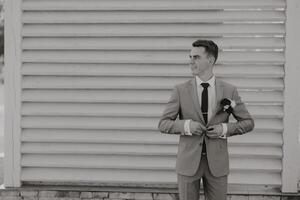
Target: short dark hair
[(210, 47)]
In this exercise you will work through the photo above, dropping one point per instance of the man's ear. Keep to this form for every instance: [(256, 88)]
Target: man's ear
[(211, 59)]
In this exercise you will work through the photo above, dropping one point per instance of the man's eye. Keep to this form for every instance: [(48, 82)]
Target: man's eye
[(194, 57)]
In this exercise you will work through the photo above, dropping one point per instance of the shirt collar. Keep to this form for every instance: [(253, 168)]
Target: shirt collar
[(211, 81)]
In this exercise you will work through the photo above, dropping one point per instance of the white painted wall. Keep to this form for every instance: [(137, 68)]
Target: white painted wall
[(51, 80), (291, 98)]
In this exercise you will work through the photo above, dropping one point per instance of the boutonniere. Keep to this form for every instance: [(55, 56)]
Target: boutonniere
[(227, 105)]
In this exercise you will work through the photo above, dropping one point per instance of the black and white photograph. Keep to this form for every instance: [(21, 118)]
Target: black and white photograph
[(149, 100)]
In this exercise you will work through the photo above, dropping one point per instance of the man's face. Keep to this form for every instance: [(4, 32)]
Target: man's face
[(200, 61)]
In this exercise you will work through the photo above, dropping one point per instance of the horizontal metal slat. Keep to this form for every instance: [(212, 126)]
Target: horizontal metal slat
[(267, 71), (108, 176), (272, 96), (97, 136), (97, 82), (131, 96), (180, 57), (119, 123), (115, 123), (138, 162), (258, 138), (140, 149), (146, 5), (63, 30), (124, 110), (269, 125), (95, 95), (92, 175), (158, 70), (54, 82), (255, 178), (147, 43), (213, 16), (255, 151), (103, 149), (99, 161), (136, 137), (255, 164), (91, 109)]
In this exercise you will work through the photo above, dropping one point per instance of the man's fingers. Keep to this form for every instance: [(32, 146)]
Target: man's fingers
[(212, 135), (201, 128), (198, 132)]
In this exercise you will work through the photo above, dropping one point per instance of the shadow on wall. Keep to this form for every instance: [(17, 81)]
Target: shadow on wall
[(1, 54), (1, 134), (1, 171), (1, 90), (299, 159)]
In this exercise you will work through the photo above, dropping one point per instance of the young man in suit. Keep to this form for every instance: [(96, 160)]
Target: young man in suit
[(198, 110)]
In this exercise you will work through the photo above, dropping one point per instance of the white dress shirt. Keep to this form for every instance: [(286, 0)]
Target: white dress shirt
[(211, 103)]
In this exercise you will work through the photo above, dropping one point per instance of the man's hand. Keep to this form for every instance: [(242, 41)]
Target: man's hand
[(214, 131), (196, 128)]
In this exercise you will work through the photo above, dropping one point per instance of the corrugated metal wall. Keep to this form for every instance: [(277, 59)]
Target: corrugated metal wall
[(96, 75)]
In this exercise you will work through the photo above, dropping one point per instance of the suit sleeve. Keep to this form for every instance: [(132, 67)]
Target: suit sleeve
[(245, 122), (169, 123)]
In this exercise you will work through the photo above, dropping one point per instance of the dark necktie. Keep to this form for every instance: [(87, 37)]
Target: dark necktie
[(204, 101), (204, 109)]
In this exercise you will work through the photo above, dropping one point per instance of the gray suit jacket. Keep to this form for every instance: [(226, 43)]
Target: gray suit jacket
[(183, 105)]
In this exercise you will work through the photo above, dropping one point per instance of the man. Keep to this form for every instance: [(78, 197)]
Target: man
[(199, 111)]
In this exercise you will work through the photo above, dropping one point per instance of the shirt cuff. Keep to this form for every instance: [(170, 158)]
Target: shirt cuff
[(187, 127), (223, 136)]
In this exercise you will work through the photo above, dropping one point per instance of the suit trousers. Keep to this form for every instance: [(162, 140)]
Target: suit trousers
[(215, 188)]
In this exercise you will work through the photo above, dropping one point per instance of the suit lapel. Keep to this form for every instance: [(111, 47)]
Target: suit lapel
[(193, 92), (219, 96)]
